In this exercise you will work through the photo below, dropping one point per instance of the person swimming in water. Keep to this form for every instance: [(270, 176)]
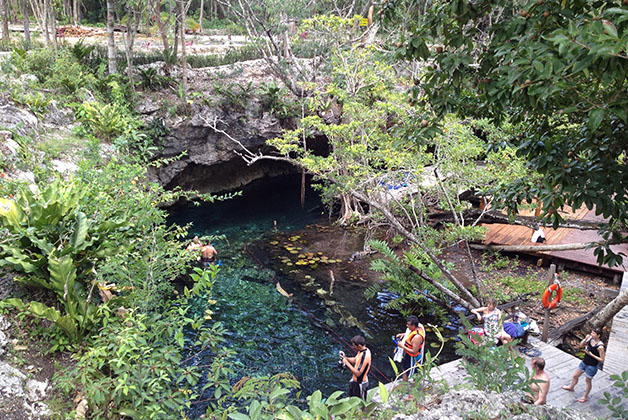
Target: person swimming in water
[(208, 255)]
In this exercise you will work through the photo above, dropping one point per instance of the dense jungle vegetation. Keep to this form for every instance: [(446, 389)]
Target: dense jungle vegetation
[(514, 101)]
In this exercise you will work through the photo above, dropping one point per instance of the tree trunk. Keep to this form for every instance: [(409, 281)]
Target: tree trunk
[(132, 26), (200, 18), (52, 19), (27, 28), (184, 57), (5, 20), (609, 311), (155, 4), (76, 12), (177, 17), (46, 23), (111, 42)]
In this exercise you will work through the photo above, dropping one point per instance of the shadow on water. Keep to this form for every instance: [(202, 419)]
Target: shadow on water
[(270, 334)]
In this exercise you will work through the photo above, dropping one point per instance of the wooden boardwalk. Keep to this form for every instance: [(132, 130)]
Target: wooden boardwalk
[(616, 360), (501, 234), (560, 367)]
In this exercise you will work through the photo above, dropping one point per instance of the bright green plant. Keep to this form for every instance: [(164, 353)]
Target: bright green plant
[(277, 100), (105, 121), (51, 240), (491, 368), (617, 403), (234, 94), (81, 51), (150, 79), (35, 101), (145, 365)]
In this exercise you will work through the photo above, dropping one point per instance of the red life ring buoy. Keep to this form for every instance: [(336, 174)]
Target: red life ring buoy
[(548, 292)]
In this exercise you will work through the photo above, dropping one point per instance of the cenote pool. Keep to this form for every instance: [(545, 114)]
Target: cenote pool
[(270, 334)]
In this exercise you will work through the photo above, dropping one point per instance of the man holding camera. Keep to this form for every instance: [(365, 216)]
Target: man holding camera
[(359, 366)]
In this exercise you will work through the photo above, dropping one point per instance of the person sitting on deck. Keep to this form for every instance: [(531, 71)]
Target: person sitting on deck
[(493, 323)]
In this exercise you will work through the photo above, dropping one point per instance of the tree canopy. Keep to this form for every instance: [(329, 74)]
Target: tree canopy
[(558, 70)]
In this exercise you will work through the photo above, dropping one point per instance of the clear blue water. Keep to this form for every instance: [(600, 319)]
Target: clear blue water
[(271, 335)]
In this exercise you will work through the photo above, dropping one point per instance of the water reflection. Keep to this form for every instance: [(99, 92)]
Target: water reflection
[(270, 334)]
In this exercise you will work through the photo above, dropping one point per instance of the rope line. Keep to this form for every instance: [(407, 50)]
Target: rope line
[(326, 327)]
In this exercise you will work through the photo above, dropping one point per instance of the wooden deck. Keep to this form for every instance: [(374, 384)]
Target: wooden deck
[(616, 360), (500, 234), (560, 367)]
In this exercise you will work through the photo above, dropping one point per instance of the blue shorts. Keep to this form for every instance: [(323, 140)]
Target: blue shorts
[(589, 371)]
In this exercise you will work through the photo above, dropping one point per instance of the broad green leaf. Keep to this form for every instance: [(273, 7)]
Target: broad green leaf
[(11, 215), (278, 392), (595, 118), (383, 392), (239, 416)]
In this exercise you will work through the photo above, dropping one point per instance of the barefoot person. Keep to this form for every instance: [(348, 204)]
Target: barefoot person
[(593, 356), (539, 389), (208, 255), (493, 322)]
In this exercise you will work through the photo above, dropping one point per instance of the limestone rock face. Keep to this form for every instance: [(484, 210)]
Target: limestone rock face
[(466, 404), (211, 162), (17, 392), (16, 118)]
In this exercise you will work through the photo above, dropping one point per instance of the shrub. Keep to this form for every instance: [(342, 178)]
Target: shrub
[(137, 366), (492, 368), (105, 121)]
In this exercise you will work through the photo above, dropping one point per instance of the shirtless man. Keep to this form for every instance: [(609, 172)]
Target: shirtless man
[(208, 254), (540, 389), (194, 245)]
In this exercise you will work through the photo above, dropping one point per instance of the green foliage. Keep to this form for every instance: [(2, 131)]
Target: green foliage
[(105, 121), (234, 94), (39, 62), (37, 102), (493, 369), (491, 59), (617, 403), (80, 51), (150, 79), (333, 406), (136, 366), (276, 99)]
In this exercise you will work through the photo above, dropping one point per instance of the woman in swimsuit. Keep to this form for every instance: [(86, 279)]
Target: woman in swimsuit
[(593, 357), (493, 322)]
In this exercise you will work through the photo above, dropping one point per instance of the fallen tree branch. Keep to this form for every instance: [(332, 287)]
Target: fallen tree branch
[(556, 335), (498, 217), (536, 248)]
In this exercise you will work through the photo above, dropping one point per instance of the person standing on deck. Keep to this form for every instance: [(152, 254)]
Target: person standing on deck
[(412, 346), (593, 357)]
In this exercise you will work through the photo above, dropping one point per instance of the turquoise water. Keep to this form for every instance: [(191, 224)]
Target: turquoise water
[(269, 334)]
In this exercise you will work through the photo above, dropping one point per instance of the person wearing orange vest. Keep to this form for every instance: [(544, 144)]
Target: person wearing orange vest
[(412, 346)]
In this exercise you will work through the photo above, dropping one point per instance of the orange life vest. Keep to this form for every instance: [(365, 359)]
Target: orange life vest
[(419, 330)]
